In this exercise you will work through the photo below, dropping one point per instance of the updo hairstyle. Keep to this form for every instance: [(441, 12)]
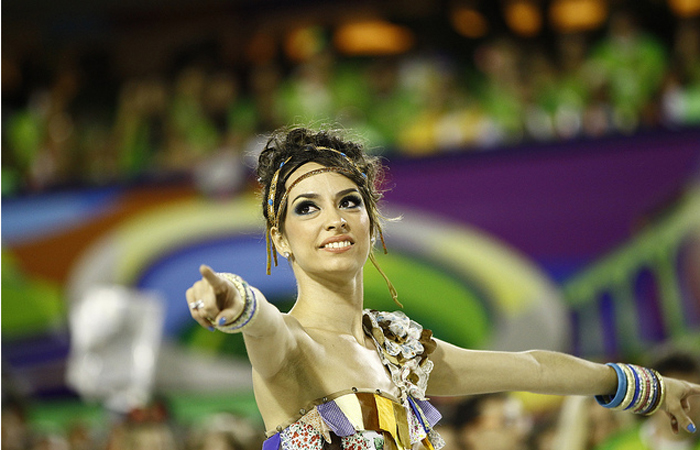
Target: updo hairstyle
[(288, 149)]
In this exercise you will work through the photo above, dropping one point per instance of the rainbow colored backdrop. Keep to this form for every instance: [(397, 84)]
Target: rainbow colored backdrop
[(569, 247)]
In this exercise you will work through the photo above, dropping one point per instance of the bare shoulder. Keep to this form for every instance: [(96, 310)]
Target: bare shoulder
[(323, 363)]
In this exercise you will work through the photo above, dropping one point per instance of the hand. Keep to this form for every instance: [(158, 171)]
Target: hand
[(677, 404), (213, 300)]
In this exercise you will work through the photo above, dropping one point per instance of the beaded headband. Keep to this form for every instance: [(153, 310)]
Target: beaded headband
[(308, 174), (275, 179), (273, 218)]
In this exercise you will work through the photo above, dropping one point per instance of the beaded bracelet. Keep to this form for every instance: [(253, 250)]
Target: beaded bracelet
[(250, 308)]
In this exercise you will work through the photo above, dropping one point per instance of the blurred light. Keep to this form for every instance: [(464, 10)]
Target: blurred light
[(374, 37), (685, 8), (303, 43), (523, 17), (577, 15), (469, 22)]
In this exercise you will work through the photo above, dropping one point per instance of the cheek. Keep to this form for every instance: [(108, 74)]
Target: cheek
[(300, 233), (362, 231), (365, 222)]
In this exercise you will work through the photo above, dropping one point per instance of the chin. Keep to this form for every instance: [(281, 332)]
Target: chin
[(341, 268)]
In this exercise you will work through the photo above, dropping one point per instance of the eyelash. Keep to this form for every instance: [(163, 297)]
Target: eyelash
[(355, 199), (305, 207)]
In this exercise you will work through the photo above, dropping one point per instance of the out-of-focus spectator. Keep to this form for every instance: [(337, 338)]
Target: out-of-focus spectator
[(681, 90), (191, 134), (80, 437), (502, 92), (226, 431), (583, 424), (490, 422), (305, 95), (50, 441), (145, 428), (571, 93), (543, 434), (15, 432), (145, 436), (138, 130), (83, 122), (630, 65)]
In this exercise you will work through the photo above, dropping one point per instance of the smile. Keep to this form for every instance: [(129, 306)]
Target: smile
[(338, 245)]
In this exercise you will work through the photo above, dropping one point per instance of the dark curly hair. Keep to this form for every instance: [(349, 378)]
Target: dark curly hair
[(297, 146)]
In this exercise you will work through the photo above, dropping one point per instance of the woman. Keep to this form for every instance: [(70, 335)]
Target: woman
[(329, 374)]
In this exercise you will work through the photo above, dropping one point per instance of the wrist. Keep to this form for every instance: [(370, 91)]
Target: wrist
[(250, 306)]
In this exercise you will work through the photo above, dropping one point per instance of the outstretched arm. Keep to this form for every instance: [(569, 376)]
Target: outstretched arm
[(458, 371), (214, 301)]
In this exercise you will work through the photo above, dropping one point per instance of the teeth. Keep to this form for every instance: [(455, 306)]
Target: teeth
[(342, 244)]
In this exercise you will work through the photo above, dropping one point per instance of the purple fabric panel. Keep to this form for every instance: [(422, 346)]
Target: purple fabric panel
[(576, 199), (272, 443), (416, 412), (336, 420), (430, 412)]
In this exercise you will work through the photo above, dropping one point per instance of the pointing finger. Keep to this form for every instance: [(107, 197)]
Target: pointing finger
[(214, 280)]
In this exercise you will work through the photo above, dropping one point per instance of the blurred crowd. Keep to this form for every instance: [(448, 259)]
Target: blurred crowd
[(77, 123), (148, 428), (501, 421)]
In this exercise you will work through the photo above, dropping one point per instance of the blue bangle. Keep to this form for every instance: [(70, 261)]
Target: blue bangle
[(604, 400)]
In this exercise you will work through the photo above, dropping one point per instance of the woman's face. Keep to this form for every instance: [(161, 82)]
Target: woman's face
[(326, 227)]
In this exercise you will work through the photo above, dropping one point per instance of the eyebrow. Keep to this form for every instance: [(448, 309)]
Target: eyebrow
[(312, 195)]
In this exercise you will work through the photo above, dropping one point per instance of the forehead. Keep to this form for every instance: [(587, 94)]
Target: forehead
[(322, 181)]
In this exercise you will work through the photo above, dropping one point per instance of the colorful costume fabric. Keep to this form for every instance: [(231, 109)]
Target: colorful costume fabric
[(360, 419)]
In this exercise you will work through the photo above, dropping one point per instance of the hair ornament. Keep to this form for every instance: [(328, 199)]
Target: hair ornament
[(273, 189)]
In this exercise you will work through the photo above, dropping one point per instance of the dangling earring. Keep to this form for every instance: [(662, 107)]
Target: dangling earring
[(286, 255)]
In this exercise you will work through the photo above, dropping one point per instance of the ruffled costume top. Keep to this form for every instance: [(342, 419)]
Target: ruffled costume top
[(360, 419)]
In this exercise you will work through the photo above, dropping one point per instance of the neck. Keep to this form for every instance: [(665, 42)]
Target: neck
[(330, 305)]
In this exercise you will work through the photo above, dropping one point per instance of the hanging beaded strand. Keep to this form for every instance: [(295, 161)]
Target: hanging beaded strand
[(271, 251)]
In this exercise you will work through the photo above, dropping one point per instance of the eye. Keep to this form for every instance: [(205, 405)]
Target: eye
[(351, 201), (304, 208)]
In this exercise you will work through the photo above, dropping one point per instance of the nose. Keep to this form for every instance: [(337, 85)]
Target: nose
[(336, 222)]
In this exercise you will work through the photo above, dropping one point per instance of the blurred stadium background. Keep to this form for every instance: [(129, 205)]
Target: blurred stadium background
[(544, 155)]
